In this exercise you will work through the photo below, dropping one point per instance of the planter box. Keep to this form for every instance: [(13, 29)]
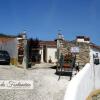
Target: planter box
[(67, 66)]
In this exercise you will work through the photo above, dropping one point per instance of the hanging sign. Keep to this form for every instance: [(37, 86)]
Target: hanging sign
[(74, 49)]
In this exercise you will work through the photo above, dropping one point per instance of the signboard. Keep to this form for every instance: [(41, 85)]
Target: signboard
[(74, 49)]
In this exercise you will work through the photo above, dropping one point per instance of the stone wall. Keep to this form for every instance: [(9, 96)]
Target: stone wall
[(83, 56)]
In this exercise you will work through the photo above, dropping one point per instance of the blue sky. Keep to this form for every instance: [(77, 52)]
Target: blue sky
[(44, 18)]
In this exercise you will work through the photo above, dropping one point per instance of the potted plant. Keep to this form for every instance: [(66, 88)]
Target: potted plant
[(67, 61)]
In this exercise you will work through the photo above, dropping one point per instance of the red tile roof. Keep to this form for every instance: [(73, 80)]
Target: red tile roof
[(95, 46), (51, 44), (5, 39)]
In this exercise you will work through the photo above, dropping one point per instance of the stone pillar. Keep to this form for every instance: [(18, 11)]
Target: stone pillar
[(41, 52), (25, 55)]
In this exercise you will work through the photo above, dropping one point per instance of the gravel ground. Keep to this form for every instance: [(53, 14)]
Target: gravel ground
[(46, 84)]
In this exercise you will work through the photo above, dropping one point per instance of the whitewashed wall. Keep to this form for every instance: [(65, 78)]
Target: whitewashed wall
[(11, 47), (93, 51), (87, 80), (97, 77), (51, 53), (80, 40), (41, 52)]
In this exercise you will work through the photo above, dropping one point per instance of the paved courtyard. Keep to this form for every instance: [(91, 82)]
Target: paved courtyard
[(46, 84)]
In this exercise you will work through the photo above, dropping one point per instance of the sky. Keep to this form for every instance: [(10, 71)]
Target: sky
[(43, 19)]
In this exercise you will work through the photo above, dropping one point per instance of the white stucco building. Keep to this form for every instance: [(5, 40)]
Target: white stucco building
[(9, 43), (48, 51), (94, 50)]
